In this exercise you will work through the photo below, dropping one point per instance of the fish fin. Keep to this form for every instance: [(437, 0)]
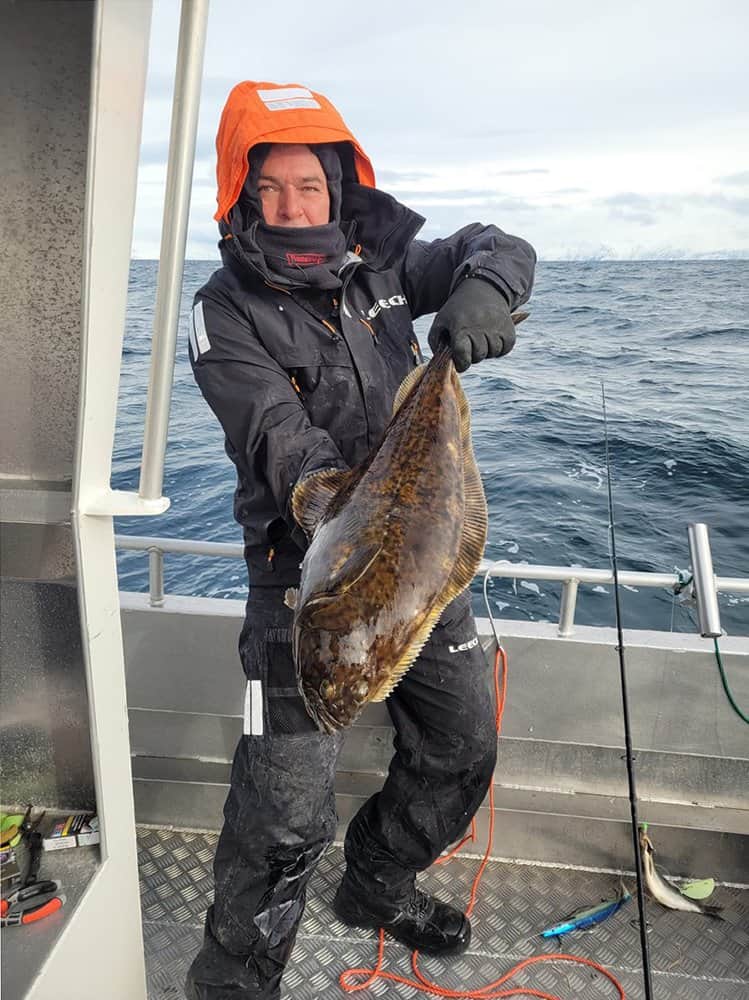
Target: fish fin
[(409, 655), (413, 378), (475, 518), (290, 597), (519, 317), (312, 496)]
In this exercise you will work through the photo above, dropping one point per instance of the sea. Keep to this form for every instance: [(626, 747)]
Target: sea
[(668, 344)]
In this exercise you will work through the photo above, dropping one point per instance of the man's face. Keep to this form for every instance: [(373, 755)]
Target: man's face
[(292, 188)]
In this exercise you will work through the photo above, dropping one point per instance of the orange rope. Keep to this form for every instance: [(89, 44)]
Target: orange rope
[(490, 991)]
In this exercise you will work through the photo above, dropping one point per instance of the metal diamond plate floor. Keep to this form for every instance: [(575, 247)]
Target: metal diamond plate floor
[(693, 957)]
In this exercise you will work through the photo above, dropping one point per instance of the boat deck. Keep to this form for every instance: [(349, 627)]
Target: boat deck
[(693, 957)]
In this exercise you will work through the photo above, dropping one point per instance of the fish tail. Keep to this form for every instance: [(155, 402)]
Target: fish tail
[(713, 911)]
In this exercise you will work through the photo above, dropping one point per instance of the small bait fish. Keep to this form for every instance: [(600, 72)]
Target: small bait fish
[(589, 917)]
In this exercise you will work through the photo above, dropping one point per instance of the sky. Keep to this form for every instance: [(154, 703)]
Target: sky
[(593, 129)]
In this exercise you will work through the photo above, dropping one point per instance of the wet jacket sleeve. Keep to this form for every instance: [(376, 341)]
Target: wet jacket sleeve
[(431, 270), (268, 434)]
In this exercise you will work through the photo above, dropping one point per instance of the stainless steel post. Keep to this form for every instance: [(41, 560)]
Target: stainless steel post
[(155, 578), (185, 108), (704, 581), (567, 609)]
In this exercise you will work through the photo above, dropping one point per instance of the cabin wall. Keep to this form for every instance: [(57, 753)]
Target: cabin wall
[(45, 79), (45, 72)]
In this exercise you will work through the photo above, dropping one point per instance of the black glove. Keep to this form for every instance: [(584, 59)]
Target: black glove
[(475, 321)]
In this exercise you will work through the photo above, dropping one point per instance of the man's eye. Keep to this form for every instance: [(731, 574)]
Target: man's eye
[(264, 188)]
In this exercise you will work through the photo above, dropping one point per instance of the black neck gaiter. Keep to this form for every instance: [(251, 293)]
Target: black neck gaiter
[(304, 255)]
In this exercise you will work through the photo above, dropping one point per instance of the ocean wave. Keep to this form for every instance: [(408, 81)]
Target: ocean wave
[(676, 436), (707, 332)]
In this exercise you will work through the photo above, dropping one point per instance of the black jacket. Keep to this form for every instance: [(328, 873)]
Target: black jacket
[(303, 380)]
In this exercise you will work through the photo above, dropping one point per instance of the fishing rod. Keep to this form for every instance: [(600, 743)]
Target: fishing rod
[(644, 944)]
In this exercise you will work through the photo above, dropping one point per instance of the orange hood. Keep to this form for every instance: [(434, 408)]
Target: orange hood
[(271, 112)]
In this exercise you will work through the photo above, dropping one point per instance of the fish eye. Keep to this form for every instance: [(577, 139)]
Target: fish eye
[(361, 691), (327, 690)]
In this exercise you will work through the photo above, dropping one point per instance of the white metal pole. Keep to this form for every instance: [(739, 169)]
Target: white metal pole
[(185, 109)]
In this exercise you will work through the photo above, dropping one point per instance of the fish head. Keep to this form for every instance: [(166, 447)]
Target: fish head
[(646, 847), (332, 674)]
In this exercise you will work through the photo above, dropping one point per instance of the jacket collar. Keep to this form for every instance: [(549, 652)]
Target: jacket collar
[(384, 226)]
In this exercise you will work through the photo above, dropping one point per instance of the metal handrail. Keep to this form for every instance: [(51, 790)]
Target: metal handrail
[(569, 576)]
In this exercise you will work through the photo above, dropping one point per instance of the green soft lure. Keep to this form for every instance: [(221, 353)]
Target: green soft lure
[(582, 919), (699, 889)]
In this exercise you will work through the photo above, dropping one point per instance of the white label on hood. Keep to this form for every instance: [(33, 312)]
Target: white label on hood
[(285, 98), (198, 323)]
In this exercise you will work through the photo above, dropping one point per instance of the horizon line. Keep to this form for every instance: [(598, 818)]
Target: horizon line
[(705, 258)]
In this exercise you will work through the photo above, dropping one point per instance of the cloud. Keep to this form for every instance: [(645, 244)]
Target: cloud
[(644, 209), (213, 87), (523, 173), (740, 180), (467, 197), (387, 178), (585, 145), (631, 207), (156, 151), (739, 206)]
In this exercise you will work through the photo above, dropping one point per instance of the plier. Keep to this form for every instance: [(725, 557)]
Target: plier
[(31, 903), (34, 842)]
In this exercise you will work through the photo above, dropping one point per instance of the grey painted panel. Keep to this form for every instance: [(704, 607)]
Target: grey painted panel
[(178, 734), (45, 748), (568, 768), (685, 778), (559, 690), (584, 805), (213, 738), (568, 690), (37, 551), (548, 837), (44, 139), (24, 502), (183, 663), (575, 840), (594, 807)]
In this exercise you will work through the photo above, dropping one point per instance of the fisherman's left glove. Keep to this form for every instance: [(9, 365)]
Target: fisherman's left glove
[(475, 321)]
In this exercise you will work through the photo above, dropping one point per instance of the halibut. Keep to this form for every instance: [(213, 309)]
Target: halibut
[(393, 542)]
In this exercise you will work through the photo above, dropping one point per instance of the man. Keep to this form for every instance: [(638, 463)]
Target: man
[(299, 343)]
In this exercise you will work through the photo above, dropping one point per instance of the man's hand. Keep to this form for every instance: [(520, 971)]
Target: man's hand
[(475, 321)]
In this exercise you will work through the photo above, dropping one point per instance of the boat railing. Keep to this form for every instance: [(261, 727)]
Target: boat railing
[(570, 577)]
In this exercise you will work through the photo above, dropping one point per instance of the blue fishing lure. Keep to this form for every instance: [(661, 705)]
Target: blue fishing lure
[(582, 919)]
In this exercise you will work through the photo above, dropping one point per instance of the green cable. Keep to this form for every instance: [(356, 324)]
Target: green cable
[(726, 688)]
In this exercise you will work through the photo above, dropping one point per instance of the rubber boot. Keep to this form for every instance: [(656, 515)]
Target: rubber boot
[(423, 923)]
